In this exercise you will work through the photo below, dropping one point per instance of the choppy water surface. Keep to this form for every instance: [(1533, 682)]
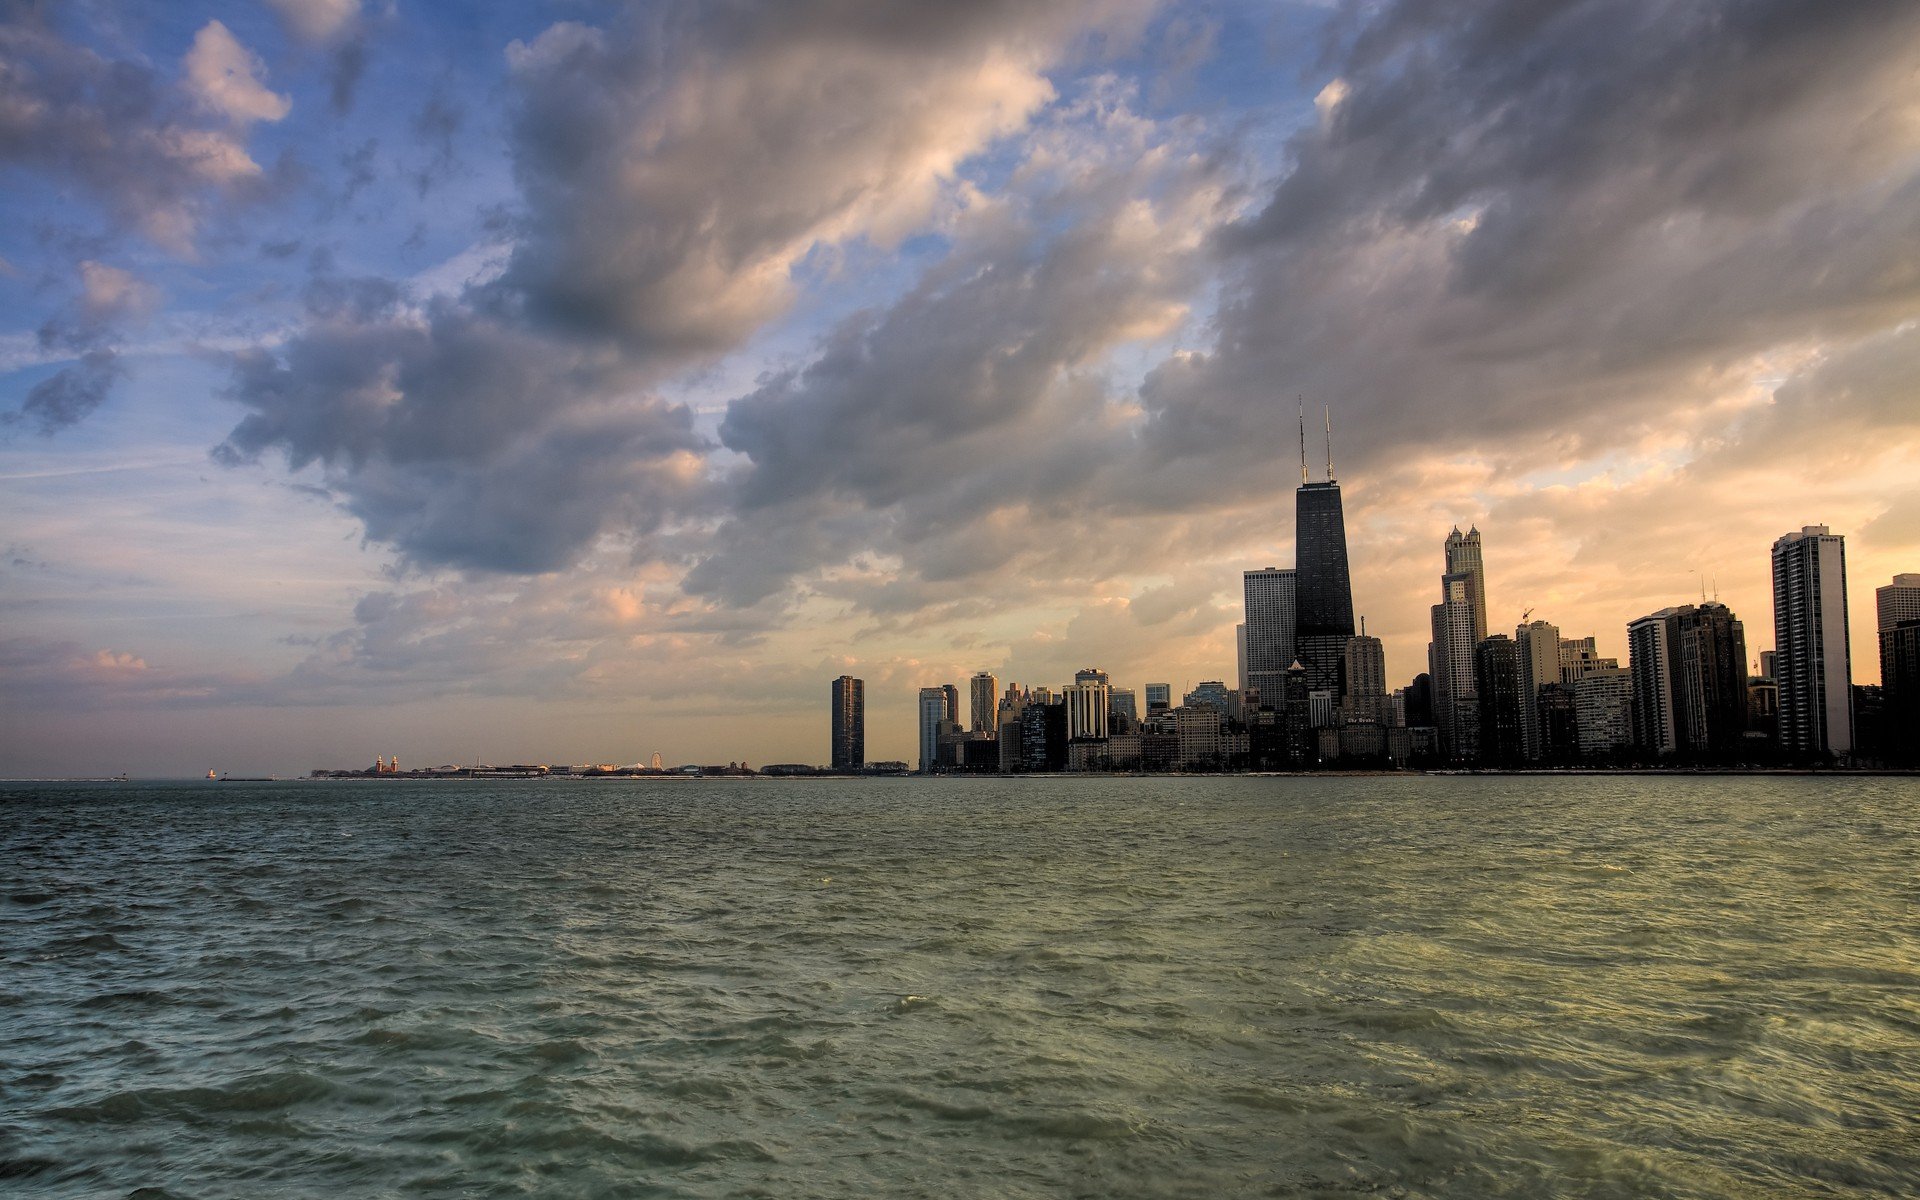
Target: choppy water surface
[(1094, 987)]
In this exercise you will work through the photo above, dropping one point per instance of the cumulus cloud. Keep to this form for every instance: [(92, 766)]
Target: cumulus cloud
[(677, 169), (674, 170), (224, 77)]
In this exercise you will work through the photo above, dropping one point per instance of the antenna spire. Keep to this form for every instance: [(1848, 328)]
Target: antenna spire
[(1303, 441), (1329, 411)]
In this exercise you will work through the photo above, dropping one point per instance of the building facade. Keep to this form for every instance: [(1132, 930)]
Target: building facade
[(1268, 595), (849, 749), (1497, 687), (935, 711), (1323, 592), (986, 702), (1456, 703), (1813, 665), (1539, 647)]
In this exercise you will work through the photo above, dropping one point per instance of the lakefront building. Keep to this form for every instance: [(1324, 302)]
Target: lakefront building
[(1813, 667), (849, 723)]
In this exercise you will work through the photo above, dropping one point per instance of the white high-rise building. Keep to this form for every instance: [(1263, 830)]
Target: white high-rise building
[(1269, 598), (1088, 705), (1603, 711), (1812, 662)]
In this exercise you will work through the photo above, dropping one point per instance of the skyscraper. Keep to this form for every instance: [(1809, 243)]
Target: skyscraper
[(1897, 606), (986, 702), (934, 709), (1497, 687), (1711, 647), (1268, 594), (1088, 713), (849, 723), (1456, 705), (1463, 558), (1689, 668), (1366, 671), (1322, 591), (1539, 643), (1159, 698), (1812, 663), (952, 694), (1650, 660)]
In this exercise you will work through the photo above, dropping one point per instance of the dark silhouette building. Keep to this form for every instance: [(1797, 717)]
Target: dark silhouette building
[(849, 723), (1900, 693), (1496, 676), (1323, 594)]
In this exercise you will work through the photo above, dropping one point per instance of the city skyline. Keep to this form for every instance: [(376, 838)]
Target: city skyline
[(573, 381)]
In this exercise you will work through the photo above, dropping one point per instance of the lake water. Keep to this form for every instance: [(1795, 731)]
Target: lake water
[(1459, 987)]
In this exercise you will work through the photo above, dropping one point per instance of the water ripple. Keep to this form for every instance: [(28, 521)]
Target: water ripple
[(1603, 987)]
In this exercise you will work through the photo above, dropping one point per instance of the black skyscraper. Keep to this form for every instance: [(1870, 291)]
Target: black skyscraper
[(849, 723), (1323, 595)]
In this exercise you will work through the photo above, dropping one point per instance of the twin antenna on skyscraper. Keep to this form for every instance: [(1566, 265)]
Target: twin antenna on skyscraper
[(1303, 441)]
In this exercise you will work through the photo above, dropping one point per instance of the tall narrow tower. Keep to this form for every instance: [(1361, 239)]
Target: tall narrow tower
[(849, 723), (1812, 663), (1323, 591), (1463, 558)]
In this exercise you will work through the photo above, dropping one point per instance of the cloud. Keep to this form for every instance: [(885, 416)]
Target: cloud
[(317, 20), (113, 127), (224, 78), (674, 170), (69, 395)]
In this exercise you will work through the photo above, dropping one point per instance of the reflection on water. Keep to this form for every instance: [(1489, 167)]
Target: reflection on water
[(1102, 987)]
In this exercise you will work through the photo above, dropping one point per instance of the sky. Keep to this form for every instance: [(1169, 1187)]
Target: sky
[(567, 381)]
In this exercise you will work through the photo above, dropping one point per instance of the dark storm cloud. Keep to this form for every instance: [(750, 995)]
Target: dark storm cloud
[(1516, 215)]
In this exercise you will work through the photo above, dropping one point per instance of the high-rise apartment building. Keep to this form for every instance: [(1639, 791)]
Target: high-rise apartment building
[(986, 702), (1650, 660), (935, 709), (1900, 692), (1897, 605), (1366, 671), (1603, 712), (1497, 687), (952, 695), (1159, 698), (1539, 647), (1456, 703), (1088, 707), (1689, 666), (1269, 597), (1813, 665), (849, 723), (1711, 646)]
